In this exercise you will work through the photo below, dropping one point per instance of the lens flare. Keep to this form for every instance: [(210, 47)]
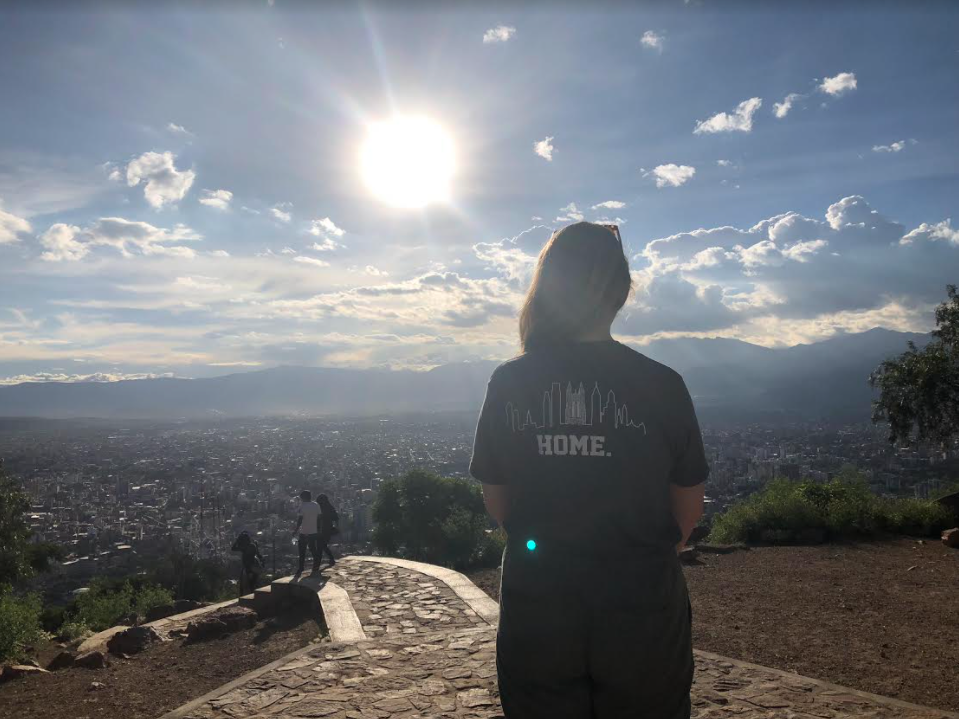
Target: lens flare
[(531, 544)]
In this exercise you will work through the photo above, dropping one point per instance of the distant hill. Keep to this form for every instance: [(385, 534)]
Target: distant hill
[(728, 378)]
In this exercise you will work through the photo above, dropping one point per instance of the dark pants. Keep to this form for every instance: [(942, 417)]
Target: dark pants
[(304, 541), (593, 640), (324, 545)]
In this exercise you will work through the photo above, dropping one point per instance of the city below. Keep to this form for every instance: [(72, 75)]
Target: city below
[(116, 494)]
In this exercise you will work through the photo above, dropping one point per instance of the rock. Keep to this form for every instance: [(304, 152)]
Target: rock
[(160, 612), (96, 686), (133, 640), (689, 555), (951, 537), (15, 671), (62, 660), (219, 623), (709, 548), (91, 660)]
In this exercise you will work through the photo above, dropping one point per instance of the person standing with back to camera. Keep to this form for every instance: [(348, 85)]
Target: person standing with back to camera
[(592, 460)]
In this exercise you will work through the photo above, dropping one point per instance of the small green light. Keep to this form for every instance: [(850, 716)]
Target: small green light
[(531, 544)]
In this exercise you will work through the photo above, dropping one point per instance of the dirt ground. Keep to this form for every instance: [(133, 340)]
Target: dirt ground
[(881, 617), (157, 680)]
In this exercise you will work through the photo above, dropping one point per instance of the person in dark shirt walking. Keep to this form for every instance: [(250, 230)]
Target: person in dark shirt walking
[(251, 559), (329, 526), (592, 460)]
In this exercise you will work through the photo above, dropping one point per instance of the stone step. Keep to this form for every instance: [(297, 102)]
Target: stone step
[(248, 600), (263, 599)]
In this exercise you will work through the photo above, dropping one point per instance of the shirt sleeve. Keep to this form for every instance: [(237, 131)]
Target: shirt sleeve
[(486, 464), (689, 457)]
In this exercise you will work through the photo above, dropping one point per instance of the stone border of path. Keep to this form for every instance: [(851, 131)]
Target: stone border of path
[(478, 600), (341, 620), (876, 698)]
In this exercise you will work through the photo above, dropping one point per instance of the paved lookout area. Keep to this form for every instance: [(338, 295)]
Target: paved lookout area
[(415, 640)]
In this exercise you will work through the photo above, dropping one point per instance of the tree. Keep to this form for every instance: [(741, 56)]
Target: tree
[(430, 518), (14, 531), (919, 390)]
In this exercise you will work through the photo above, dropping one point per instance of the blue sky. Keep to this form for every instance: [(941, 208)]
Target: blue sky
[(180, 189)]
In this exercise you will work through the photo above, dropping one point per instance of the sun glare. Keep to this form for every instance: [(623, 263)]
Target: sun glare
[(408, 162)]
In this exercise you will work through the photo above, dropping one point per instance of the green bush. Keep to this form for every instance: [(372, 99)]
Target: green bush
[(102, 607), (432, 519), (151, 596), (71, 631), (19, 623), (784, 512)]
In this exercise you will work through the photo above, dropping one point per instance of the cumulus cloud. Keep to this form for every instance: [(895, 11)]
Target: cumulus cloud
[(61, 244), (163, 183), (11, 226), (177, 129), (894, 146), (839, 85), (609, 205), (500, 33), (741, 119), (220, 199), (544, 148), (375, 272), (69, 243), (652, 40), (672, 175), (281, 212), (781, 109), (724, 163), (326, 229), (852, 262), (571, 213)]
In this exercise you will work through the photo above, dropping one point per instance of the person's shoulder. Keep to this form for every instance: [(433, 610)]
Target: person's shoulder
[(657, 371)]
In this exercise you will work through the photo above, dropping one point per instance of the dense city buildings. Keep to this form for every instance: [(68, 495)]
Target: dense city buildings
[(117, 494)]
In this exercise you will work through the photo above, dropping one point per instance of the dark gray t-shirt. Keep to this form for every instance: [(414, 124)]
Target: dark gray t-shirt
[(589, 436)]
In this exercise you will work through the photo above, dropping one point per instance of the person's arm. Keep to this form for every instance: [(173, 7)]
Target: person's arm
[(235, 548), (299, 521), (687, 506), (496, 497)]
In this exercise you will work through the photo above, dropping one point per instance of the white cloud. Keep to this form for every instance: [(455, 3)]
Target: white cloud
[(940, 231), (311, 261), (740, 120), (375, 272), (163, 183), (894, 146), (672, 175), (724, 163), (327, 245), (70, 243), (60, 242), (218, 253), (571, 213), (326, 226), (11, 226), (94, 377), (781, 109), (281, 212), (220, 199), (653, 40), (500, 33), (839, 85), (610, 205), (544, 148), (287, 251), (249, 210), (177, 129)]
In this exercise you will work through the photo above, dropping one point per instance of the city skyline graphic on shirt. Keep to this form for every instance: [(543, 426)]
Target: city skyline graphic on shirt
[(573, 408)]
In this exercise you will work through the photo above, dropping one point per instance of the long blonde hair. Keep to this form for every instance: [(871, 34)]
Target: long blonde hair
[(581, 280)]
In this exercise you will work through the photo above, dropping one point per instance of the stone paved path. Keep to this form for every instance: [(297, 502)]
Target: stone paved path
[(428, 655)]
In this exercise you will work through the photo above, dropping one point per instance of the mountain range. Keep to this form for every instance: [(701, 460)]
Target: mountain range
[(728, 378)]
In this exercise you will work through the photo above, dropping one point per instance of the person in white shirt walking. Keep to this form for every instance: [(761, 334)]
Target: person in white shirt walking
[(306, 527)]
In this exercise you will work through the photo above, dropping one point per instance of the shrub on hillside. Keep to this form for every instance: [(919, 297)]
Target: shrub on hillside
[(150, 596), (785, 511), (19, 623), (433, 519), (103, 606), (72, 631)]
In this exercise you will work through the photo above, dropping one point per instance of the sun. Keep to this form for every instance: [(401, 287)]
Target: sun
[(408, 161)]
